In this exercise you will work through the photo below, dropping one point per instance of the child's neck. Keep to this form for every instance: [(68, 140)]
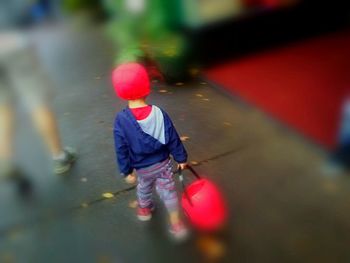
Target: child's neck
[(137, 103)]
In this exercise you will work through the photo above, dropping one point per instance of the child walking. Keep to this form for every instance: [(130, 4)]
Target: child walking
[(145, 137)]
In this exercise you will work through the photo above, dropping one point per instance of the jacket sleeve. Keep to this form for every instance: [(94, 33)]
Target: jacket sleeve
[(122, 149), (175, 146)]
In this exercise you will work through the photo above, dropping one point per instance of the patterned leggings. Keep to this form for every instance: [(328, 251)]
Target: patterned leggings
[(161, 176)]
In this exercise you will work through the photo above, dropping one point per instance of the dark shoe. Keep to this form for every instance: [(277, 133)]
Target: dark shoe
[(15, 176)]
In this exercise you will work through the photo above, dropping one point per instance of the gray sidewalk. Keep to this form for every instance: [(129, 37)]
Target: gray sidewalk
[(282, 208)]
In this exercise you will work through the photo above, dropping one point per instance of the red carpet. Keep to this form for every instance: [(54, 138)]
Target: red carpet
[(302, 84)]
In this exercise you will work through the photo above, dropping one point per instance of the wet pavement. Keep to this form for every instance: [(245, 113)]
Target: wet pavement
[(282, 209)]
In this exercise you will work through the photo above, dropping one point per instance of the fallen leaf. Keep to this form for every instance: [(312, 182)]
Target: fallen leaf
[(84, 205), (162, 91), (6, 257), (330, 187), (104, 259), (179, 84), (194, 71), (199, 95), (83, 179), (194, 162), (184, 138), (205, 99), (212, 248), (14, 233), (50, 212), (108, 195), (100, 76), (133, 204)]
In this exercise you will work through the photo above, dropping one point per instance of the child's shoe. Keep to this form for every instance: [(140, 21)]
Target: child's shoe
[(178, 231), (144, 214)]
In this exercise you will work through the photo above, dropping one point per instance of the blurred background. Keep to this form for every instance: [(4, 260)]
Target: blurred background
[(258, 90)]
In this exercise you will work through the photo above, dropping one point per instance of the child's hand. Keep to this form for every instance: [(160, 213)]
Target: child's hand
[(130, 179), (182, 166)]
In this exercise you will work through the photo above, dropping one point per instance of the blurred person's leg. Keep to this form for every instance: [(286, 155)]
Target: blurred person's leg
[(340, 157), (6, 133), (8, 169), (6, 129), (46, 123), (33, 88)]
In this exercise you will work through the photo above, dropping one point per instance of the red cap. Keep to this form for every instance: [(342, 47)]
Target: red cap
[(131, 81)]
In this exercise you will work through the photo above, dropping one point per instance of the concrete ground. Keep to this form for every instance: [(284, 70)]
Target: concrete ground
[(282, 209)]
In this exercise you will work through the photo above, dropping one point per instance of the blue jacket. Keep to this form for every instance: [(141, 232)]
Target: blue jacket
[(136, 149)]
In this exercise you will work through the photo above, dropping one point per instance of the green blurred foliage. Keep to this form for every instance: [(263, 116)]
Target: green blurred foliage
[(79, 5), (151, 34)]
